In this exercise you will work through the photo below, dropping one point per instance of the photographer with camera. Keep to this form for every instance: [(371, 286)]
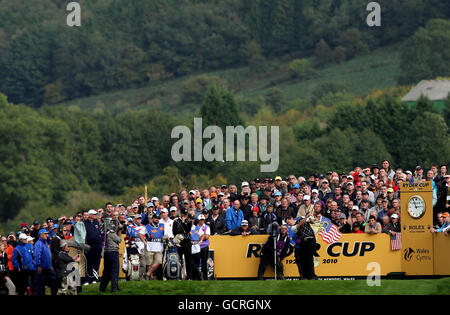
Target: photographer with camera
[(112, 234), (277, 247), (65, 284)]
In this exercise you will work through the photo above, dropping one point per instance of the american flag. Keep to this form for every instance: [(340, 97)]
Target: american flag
[(330, 232), (396, 241)]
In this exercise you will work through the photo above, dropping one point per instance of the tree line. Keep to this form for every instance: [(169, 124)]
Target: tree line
[(48, 154), (123, 43)]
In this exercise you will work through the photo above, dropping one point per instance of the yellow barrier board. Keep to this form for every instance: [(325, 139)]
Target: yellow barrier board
[(238, 256), (441, 244), (352, 256)]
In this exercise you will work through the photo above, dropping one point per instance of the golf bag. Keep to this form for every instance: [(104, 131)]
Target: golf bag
[(171, 262), (131, 261)]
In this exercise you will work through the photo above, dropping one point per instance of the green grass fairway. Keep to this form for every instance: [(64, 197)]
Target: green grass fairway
[(270, 287)]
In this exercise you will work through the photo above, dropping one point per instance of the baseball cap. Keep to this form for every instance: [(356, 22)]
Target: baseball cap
[(408, 172), (29, 238), (342, 216), (35, 222), (356, 224), (155, 199), (134, 205), (355, 208), (244, 222), (173, 209), (306, 197), (296, 185), (199, 200), (390, 190), (223, 187), (92, 211), (255, 209), (22, 236), (213, 194), (349, 177), (150, 204), (185, 201), (201, 217), (277, 193), (24, 224), (358, 184), (394, 216), (221, 194), (267, 189), (244, 184), (43, 231), (278, 178), (325, 181), (315, 191), (418, 167), (164, 210), (192, 192), (138, 216), (63, 244)]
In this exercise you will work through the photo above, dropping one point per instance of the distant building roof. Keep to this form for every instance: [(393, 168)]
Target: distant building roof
[(435, 90)]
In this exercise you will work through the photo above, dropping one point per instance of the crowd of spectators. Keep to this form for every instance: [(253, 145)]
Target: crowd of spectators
[(360, 201)]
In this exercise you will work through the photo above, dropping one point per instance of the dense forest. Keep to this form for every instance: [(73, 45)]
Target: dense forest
[(56, 158), (125, 43)]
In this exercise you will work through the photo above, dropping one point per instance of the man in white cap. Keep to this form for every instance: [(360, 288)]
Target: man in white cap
[(315, 196), (306, 207), (244, 229), (393, 227), (22, 260), (155, 201)]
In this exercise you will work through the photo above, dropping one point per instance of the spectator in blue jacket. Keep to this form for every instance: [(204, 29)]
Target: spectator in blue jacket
[(234, 216), (23, 263), (43, 263)]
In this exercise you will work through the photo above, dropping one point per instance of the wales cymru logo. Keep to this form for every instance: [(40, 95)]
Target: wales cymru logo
[(409, 252)]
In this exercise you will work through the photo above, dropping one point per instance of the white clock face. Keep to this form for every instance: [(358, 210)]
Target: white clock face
[(416, 207)]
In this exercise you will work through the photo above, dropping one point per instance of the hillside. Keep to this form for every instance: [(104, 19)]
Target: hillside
[(376, 70)]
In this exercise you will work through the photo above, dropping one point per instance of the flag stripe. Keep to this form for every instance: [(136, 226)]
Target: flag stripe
[(332, 235), (396, 241)]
